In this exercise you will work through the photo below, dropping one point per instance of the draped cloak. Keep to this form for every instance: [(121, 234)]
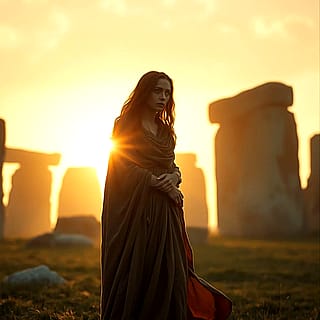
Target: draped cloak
[(147, 270)]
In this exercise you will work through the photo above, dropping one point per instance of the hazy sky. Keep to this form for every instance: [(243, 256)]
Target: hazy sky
[(66, 67)]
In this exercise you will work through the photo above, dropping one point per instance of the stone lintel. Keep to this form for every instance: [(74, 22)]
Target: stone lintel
[(274, 94), (25, 157)]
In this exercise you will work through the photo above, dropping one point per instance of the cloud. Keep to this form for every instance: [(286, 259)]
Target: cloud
[(82, 39), (208, 6), (264, 29), (9, 38), (61, 21), (31, 34), (59, 26), (227, 28), (118, 7), (187, 9), (35, 1), (284, 27), (169, 3)]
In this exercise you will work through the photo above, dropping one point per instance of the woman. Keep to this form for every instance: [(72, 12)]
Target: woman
[(146, 259)]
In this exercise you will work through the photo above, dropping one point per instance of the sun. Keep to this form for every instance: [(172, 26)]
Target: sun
[(101, 165), (88, 148), (86, 128), (110, 145)]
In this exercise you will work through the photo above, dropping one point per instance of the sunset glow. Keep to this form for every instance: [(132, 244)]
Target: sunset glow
[(67, 68)]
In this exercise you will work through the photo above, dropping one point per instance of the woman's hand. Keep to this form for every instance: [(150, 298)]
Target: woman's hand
[(166, 182), (176, 195)]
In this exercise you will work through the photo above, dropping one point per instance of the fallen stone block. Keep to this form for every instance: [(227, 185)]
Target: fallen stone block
[(40, 275), (56, 239)]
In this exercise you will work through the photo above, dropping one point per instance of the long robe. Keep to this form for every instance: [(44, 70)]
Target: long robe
[(147, 268)]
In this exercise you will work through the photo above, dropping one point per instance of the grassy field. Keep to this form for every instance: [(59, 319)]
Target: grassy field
[(275, 279)]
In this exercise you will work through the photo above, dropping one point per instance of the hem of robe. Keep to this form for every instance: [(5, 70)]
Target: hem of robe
[(204, 301)]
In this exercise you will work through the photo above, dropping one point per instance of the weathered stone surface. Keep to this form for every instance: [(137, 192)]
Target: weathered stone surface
[(73, 240), (197, 235), (54, 239), (80, 193), (28, 158), (85, 225), (268, 94), (28, 210), (312, 192), (257, 168), (40, 275), (194, 188), (2, 151), (195, 204)]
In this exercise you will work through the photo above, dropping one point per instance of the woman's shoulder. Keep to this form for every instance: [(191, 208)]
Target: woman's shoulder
[(122, 125)]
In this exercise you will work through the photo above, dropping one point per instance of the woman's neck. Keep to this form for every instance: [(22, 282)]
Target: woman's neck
[(148, 121), (149, 116)]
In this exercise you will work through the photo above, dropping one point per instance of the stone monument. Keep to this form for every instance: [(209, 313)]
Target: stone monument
[(312, 192), (2, 150), (80, 203), (28, 210), (195, 203), (257, 168), (80, 193)]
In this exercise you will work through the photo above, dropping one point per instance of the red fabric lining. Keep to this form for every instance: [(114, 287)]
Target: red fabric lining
[(200, 300), (203, 303)]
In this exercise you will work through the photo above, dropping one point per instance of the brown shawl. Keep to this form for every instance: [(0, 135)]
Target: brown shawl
[(146, 258)]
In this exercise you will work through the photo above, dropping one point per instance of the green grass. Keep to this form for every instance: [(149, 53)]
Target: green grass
[(275, 279)]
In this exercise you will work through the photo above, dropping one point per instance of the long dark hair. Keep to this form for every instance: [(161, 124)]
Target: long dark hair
[(133, 107)]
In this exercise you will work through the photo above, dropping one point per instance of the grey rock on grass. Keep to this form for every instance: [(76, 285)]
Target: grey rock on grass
[(40, 275)]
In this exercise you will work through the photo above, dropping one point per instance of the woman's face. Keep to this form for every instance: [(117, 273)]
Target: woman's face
[(160, 95)]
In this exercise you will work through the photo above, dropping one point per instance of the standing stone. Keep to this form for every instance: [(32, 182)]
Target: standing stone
[(28, 211), (312, 192), (85, 225), (2, 151), (80, 193), (257, 167), (195, 203)]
